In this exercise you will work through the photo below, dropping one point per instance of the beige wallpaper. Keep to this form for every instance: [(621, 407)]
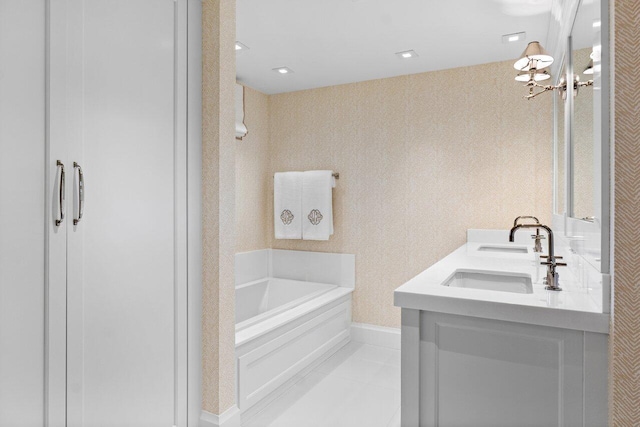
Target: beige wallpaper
[(422, 158), (218, 205), (624, 340), (253, 175)]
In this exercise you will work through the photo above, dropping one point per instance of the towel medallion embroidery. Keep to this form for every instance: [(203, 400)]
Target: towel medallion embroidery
[(286, 216), (315, 217)]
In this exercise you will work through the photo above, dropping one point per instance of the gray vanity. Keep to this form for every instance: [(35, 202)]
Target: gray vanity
[(498, 333), (485, 344)]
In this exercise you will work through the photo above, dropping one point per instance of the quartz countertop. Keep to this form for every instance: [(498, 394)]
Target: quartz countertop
[(575, 307)]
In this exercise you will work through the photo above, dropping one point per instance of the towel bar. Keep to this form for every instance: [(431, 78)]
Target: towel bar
[(336, 175)]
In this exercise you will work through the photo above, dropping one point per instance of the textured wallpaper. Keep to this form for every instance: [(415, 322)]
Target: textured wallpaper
[(625, 337), (218, 203), (422, 158), (253, 175)]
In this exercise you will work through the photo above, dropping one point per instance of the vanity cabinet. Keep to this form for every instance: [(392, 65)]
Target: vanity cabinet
[(468, 371)]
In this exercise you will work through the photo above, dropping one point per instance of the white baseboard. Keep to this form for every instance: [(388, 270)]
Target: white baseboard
[(376, 335), (229, 418)]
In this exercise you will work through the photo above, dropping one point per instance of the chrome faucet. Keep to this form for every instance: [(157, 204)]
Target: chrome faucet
[(552, 279), (538, 237)]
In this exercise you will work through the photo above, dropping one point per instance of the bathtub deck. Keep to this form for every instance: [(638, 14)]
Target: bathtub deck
[(359, 386)]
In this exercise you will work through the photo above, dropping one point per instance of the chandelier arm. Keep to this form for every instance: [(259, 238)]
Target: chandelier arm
[(545, 88), (587, 83)]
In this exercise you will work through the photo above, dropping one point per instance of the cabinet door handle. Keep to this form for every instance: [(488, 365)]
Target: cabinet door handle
[(61, 194), (80, 193)]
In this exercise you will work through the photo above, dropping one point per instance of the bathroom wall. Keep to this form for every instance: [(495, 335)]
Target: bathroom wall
[(624, 341), (422, 158), (218, 205), (253, 172)]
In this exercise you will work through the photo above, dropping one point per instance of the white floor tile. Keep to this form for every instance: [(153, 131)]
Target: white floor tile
[(395, 421), (374, 406), (356, 387), (365, 363)]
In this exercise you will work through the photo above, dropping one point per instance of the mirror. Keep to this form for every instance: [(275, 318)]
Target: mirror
[(560, 152), (585, 221), (585, 41)]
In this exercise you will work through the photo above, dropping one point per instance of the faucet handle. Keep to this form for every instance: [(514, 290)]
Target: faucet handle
[(556, 264), (547, 256), (538, 236)]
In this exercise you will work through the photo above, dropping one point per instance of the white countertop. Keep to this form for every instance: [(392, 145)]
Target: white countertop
[(575, 307)]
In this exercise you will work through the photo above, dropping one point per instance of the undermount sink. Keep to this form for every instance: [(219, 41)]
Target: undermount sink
[(490, 281), (504, 249)]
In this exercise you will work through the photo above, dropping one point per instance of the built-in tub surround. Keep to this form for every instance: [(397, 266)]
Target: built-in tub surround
[(293, 309), (268, 297)]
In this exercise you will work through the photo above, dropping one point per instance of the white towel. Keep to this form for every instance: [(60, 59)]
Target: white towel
[(317, 205), (287, 205)]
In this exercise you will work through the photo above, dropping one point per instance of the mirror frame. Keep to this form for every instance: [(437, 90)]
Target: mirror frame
[(557, 99), (598, 232)]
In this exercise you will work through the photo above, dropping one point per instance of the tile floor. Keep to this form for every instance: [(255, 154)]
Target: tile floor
[(359, 386)]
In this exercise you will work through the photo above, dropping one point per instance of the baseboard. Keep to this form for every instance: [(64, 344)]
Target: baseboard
[(376, 335), (229, 418)]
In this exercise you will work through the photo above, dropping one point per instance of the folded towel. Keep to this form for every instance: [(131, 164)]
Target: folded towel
[(317, 205), (287, 205)]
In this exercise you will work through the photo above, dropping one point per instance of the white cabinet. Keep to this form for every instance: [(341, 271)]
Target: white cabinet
[(468, 371), (94, 310), (22, 212)]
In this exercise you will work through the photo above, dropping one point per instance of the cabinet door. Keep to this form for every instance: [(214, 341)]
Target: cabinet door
[(22, 212), (485, 372), (126, 281)]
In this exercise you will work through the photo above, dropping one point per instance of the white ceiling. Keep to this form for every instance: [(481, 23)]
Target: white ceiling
[(332, 42)]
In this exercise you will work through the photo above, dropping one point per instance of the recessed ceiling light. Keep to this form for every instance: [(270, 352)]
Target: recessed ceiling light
[(240, 46), (512, 38), (283, 70), (407, 54)]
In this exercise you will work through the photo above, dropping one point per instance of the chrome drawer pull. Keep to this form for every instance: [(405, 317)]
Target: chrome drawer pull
[(61, 195), (80, 193)]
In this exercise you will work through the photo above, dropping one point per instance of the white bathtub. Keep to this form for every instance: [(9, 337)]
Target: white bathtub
[(258, 300), (284, 326)]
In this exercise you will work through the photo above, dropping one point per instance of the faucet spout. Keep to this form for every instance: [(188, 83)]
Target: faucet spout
[(517, 220), (544, 227), (512, 233), (537, 237), (551, 263)]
